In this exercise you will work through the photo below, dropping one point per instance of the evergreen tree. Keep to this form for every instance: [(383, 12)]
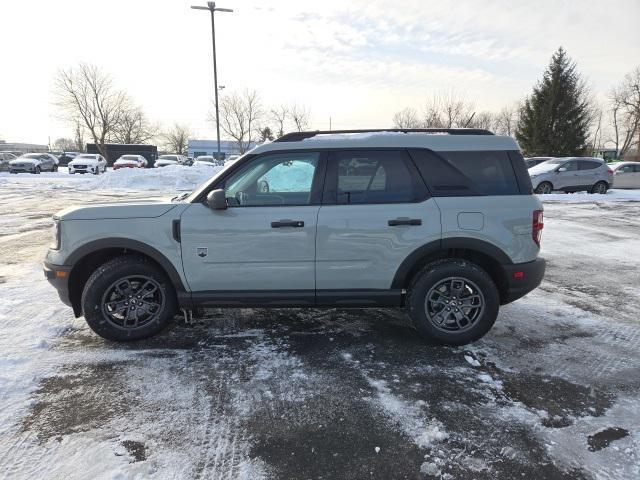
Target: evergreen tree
[(554, 120)]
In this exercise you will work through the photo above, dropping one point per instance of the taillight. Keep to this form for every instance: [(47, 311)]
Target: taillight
[(537, 226), (609, 170)]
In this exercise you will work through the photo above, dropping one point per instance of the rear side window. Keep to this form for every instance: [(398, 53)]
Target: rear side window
[(588, 165), (370, 177), (490, 172)]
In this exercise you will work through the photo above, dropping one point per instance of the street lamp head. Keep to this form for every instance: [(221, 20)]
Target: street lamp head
[(212, 5)]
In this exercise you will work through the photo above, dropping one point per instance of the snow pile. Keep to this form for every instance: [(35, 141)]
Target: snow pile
[(613, 195), (171, 177)]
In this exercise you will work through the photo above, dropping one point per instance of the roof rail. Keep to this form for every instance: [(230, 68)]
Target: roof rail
[(299, 136)]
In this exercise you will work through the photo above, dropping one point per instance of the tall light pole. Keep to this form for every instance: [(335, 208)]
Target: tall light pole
[(211, 6)]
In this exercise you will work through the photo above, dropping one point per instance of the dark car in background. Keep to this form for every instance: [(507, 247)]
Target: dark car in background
[(533, 161), (66, 157)]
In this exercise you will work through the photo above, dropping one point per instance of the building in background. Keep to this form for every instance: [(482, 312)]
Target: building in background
[(210, 147), (20, 148)]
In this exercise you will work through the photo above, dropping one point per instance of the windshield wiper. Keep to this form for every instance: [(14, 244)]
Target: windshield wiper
[(181, 197)]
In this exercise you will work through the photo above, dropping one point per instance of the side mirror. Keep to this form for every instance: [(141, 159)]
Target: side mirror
[(562, 169), (217, 199)]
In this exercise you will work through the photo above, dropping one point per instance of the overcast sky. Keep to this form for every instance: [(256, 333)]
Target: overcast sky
[(356, 61)]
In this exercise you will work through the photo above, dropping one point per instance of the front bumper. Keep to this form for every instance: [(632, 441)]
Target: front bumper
[(58, 276), (22, 169), (522, 278)]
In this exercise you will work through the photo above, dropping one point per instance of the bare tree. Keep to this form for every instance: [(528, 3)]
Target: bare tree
[(448, 110), (176, 139), (87, 94), (279, 116), (506, 120), (625, 113), (64, 144), (407, 118), (299, 116), (239, 117), (132, 126), (79, 136)]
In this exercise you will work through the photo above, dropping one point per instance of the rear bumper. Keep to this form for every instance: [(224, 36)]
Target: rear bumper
[(58, 276), (522, 278)]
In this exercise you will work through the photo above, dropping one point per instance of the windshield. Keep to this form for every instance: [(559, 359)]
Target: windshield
[(32, 155), (92, 157), (555, 161), (168, 157), (129, 157), (204, 159)]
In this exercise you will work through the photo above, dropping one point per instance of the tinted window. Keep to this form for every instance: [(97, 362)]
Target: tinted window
[(588, 165), (626, 169), (373, 177), (274, 179), (570, 166), (490, 172)]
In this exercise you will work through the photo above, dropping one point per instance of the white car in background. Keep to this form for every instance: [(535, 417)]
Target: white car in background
[(130, 161), (34, 163), (88, 163), (165, 160), (209, 161), (231, 159), (5, 157), (626, 174)]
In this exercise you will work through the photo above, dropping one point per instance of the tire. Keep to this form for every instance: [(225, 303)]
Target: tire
[(55, 168), (107, 291), (434, 321), (37, 170), (599, 187), (544, 188)]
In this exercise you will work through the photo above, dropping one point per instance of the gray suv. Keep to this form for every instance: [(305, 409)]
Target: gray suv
[(441, 222), (572, 174)]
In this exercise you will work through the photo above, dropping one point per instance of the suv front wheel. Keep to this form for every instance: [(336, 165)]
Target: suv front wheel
[(128, 298), (453, 302)]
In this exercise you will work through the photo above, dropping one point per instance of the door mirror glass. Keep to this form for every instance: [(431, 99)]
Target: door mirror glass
[(216, 200)]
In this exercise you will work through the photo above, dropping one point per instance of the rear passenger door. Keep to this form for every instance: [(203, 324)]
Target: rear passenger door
[(590, 172), (375, 211)]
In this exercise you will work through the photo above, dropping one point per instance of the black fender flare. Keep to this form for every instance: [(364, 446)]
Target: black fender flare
[(437, 246), (128, 244)]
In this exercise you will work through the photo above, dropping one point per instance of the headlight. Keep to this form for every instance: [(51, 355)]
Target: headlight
[(55, 233)]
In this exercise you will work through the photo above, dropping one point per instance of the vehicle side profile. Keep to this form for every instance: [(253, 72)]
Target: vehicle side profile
[(442, 222), (208, 161), (88, 163), (626, 174), (34, 163), (5, 158), (572, 174)]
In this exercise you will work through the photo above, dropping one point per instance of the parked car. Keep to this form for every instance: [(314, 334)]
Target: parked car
[(88, 163), (626, 174), (5, 157), (571, 174), (66, 157), (231, 159), (442, 222), (164, 160), (208, 160), (533, 161), (130, 161), (33, 163)]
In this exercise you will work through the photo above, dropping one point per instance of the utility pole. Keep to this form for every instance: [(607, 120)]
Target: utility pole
[(211, 6)]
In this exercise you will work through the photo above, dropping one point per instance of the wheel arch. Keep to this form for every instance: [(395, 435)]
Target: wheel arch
[(90, 256), (484, 254)]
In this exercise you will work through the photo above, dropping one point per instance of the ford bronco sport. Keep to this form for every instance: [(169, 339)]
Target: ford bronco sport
[(440, 221)]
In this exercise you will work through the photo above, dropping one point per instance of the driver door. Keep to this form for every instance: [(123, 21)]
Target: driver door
[(262, 248)]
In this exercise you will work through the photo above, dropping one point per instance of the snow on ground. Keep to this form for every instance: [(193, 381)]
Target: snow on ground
[(551, 392), (613, 195)]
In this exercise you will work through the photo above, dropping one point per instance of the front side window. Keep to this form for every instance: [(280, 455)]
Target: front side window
[(588, 165), (274, 179), (626, 169), (571, 166), (373, 177)]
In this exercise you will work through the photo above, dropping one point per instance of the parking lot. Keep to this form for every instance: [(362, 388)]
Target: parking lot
[(551, 392)]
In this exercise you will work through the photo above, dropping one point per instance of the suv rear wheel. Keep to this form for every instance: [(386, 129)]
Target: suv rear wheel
[(128, 298), (453, 302), (544, 188), (600, 187)]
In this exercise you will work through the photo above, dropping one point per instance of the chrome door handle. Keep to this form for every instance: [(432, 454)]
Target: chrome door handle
[(287, 223)]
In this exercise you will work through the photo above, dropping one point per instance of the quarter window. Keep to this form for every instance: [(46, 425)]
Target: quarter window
[(490, 172), (276, 179), (373, 177)]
